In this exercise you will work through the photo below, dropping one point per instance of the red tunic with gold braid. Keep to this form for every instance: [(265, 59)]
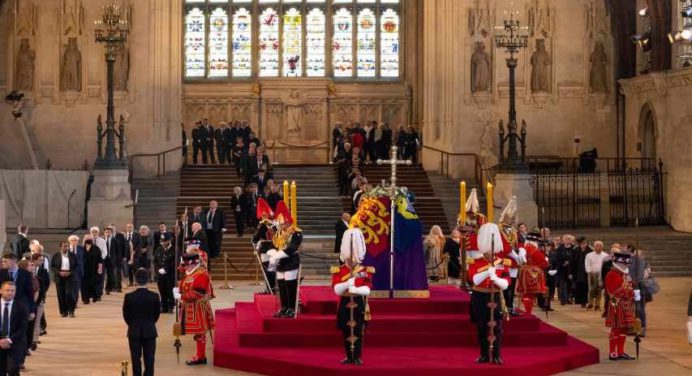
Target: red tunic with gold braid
[(196, 291), (531, 278), (481, 265), (343, 273), (621, 304)]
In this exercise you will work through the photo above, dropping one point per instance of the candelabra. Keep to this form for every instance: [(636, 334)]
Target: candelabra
[(512, 37), (111, 30)]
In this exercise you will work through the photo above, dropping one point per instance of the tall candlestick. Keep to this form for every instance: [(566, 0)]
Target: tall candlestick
[(287, 194), (294, 203), (489, 199), (462, 202)]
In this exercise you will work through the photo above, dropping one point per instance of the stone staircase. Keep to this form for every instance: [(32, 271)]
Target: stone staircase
[(156, 201), (447, 190)]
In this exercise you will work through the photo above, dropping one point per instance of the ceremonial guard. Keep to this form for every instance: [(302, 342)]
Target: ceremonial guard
[(164, 262), (531, 282), (620, 316), (352, 282), (286, 258), (194, 294), (262, 242), (489, 277), (511, 250), (469, 229)]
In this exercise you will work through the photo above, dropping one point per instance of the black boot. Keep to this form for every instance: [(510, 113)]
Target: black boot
[(349, 355), (283, 296), (292, 291)]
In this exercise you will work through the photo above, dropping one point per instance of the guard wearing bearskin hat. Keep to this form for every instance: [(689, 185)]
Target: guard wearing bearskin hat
[(620, 317), (489, 277), (469, 229), (262, 242), (352, 282), (286, 258), (531, 282), (193, 294)]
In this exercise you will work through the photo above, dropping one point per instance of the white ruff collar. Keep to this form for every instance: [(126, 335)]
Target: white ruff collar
[(623, 269), (188, 272)]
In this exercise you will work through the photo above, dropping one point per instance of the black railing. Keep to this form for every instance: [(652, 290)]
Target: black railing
[(552, 164), (636, 196), (160, 161), (568, 200), (480, 174)]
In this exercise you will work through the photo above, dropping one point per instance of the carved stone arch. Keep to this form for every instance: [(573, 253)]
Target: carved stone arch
[(648, 132)]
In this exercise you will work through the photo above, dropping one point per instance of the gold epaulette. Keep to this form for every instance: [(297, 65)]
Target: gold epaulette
[(470, 261), (334, 270), (370, 269), (506, 262)]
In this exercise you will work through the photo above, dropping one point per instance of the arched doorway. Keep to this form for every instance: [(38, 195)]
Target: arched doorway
[(647, 136)]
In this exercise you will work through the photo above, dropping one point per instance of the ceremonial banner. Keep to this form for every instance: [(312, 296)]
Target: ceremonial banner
[(374, 219)]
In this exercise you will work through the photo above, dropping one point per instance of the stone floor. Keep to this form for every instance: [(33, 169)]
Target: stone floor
[(94, 343)]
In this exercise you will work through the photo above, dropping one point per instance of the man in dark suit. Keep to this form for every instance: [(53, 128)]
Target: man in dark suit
[(133, 246), (340, 227), (121, 250), (20, 242), (23, 280), (220, 142), (64, 266), (229, 135), (141, 311), (14, 320), (112, 254), (208, 145), (196, 216), (197, 145), (215, 226), (160, 233)]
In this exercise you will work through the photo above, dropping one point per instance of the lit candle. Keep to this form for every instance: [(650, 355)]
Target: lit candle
[(287, 194), (294, 203), (462, 202), (489, 199)]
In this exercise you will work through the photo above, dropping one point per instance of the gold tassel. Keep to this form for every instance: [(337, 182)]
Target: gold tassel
[(368, 316)]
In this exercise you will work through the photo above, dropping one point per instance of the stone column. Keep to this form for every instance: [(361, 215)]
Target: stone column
[(110, 198)]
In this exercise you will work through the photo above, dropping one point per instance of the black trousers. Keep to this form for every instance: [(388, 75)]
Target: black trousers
[(288, 293), (118, 274), (509, 294), (581, 292), (66, 300), (166, 283), (221, 151), (343, 318), (214, 238), (196, 149), (142, 348), (89, 290), (209, 150), (10, 360), (480, 315), (239, 222), (109, 274), (552, 285)]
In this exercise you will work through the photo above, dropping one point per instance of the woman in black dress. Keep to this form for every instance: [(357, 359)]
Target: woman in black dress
[(93, 267)]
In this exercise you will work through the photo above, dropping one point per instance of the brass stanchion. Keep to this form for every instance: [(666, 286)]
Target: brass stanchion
[(123, 368), (225, 285), (257, 273)]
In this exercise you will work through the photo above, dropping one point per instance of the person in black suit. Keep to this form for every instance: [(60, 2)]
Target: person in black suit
[(197, 216), (14, 320), (197, 144), (121, 251), (20, 242), (220, 142), (92, 268), (199, 235), (251, 197), (160, 233), (22, 279), (64, 265), (43, 278), (340, 227), (184, 143), (215, 226), (208, 145), (141, 311), (238, 205), (133, 246), (112, 254), (229, 134), (261, 179)]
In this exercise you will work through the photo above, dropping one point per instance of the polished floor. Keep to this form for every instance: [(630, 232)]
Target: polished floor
[(94, 343)]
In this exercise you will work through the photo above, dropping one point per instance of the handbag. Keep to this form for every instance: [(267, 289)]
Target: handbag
[(651, 285)]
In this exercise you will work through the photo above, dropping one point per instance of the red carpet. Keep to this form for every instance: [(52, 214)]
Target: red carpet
[(405, 337)]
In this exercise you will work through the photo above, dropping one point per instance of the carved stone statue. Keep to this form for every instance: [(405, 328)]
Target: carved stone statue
[(480, 69), (294, 112), (73, 17), (540, 73), (598, 79), (24, 73), (25, 18), (71, 68), (121, 71)]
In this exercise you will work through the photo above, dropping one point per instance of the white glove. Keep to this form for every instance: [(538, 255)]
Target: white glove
[(351, 281), (176, 293), (552, 272), (162, 271), (637, 295), (491, 272)]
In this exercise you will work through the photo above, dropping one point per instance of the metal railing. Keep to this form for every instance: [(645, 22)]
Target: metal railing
[(160, 161), (554, 164), (481, 175)]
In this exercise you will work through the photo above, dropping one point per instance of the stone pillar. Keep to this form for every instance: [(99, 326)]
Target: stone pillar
[(521, 186), (110, 198), (3, 226)]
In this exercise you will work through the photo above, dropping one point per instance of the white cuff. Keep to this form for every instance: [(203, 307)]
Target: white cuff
[(362, 290), (501, 283), (480, 277), (341, 288)]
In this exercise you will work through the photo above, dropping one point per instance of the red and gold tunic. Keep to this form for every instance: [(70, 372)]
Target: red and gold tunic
[(481, 265), (532, 274), (343, 273), (196, 315), (621, 300)]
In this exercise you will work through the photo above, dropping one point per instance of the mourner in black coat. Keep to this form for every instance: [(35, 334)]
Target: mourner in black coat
[(141, 311)]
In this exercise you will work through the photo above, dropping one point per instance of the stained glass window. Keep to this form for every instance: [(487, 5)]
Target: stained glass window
[(228, 39), (292, 46), (269, 44), (366, 43), (342, 43), (218, 43), (315, 43), (195, 32), (242, 43), (389, 44)]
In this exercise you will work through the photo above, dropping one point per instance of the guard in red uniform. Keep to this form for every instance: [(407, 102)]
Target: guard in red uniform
[(531, 281), (352, 282), (196, 316), (620, 316), (489, 277), (510, 249), (469, 229)]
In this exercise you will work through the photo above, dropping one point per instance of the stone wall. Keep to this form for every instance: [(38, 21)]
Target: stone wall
[(64, 98), (658, 119), (465, 94)]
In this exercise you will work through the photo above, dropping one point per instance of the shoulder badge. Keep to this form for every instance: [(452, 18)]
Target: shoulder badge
[(507, 262), (334, 270), (370, 269), (470, 261)]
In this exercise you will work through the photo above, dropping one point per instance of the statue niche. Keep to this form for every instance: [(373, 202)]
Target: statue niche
[(294, 112), (121, 70), (598, 78), (71, 67), (24, 73), (540, 73), (480, 69)]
